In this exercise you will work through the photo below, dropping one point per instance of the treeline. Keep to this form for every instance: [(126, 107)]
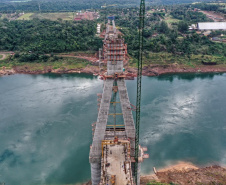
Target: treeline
[(46, 6), (186, 14), (60, 5), (34, 57), (210, 7), (72, 5), (205, 6), (176, 40), (45, 36), (160, 37), (173, 42)]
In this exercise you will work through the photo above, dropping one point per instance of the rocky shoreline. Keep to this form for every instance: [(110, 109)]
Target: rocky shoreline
[(166, 69), (183, 173), (26, 70), (151, 70)]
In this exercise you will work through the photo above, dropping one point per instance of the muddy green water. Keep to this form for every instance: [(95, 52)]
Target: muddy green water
[(45, 124)]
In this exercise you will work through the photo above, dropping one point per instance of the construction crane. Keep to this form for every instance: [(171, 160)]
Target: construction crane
[(139, 77)]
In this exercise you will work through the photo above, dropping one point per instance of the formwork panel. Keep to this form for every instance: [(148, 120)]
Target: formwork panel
[(101, 123), (127, 113)]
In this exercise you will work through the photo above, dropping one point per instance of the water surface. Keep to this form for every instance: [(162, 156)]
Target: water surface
[(45, 124)]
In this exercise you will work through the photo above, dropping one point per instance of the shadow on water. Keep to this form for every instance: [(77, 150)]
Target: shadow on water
[(69, 76), (7, 154), (72, 170), (188, 76), (185, 146)]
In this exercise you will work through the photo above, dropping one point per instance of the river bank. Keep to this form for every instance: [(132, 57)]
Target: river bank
[(150, 70), (48, 69), (186, 173), (156, 70)]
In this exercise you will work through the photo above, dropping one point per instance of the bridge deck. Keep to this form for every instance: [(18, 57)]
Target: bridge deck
[(116, 165)]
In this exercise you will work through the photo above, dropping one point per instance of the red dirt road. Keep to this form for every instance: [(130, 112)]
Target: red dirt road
[(214, 16)]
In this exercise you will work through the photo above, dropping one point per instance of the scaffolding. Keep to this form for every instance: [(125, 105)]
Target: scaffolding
[(114, 144)]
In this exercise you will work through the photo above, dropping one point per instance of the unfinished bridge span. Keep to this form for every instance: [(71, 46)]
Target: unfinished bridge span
[(112, 153)]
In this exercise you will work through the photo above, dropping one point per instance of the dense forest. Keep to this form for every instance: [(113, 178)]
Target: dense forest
[(162, 37), (72, 5), (45, 36), (182, 13), (210, 7)]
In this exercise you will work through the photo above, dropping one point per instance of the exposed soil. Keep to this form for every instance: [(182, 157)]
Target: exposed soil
[(7, 72), (180, 166), (155, 70), (5, 54), (89, 69), (207, 175), (93, 68), (217, 17), (186, 173), (89, 57), (151, 70)]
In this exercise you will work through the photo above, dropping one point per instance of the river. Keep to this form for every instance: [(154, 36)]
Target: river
[(45, 124)]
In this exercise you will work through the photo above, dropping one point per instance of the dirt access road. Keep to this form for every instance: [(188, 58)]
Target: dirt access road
[(5, 54), (214, 16), (89, 58)]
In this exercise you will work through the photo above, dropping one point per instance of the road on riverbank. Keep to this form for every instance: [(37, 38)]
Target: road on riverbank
[(5, 54)]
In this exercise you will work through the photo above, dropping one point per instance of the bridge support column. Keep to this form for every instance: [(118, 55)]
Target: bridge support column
[(138, 173), (95, 173)]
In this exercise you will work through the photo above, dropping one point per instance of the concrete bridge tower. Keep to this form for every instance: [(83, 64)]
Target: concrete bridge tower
[(113, 148)]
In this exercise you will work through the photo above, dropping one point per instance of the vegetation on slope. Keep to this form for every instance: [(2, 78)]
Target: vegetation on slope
[(160, 36), (167, 39), (45, 36), (218, 7), (53, 62)]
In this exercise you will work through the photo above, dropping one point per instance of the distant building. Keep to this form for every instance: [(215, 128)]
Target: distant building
[(192, 27), (98, 28), (86, 16), (216, 39), (204, 26), (207, 33)]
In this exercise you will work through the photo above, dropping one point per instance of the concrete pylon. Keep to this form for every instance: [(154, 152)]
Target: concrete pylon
[(113, 55)]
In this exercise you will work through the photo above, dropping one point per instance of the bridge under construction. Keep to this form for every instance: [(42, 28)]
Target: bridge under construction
[(113, 151)]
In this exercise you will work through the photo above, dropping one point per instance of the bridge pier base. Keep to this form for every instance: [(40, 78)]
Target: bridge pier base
[(95, 173)]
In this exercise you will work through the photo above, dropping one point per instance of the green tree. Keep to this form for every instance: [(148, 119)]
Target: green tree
[(182, 27), (163, 27)]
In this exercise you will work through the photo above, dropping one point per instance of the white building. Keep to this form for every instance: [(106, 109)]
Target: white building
[(98, 28), (203, 26)]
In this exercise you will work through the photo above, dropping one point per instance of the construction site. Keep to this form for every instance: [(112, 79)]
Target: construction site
[(115, 157)]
